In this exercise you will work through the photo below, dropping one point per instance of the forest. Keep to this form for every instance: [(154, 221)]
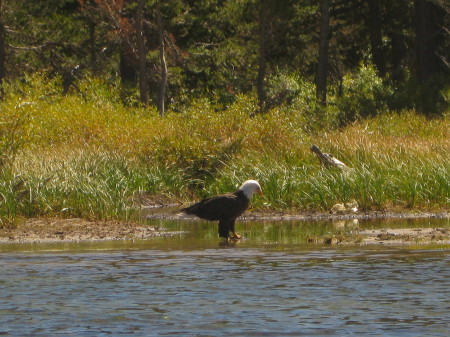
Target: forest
[(165, 53), (106, 103)]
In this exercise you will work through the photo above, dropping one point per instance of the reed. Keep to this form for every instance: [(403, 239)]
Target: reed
[(91, 156)]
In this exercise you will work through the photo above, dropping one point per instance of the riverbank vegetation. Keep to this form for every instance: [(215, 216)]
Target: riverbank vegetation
[(106, 105), (86, 154)]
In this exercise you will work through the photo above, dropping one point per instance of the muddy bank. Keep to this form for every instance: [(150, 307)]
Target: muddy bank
[(274, 216), (173, 213), (402, 236), (41, 230), (354, 235)]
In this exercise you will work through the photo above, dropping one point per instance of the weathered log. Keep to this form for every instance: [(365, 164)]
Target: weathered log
[(327, 159)]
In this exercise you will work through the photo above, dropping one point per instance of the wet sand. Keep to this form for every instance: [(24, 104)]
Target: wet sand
[(41, 230)]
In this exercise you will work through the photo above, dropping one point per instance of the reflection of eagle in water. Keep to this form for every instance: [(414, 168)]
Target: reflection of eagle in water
[(226, 207)]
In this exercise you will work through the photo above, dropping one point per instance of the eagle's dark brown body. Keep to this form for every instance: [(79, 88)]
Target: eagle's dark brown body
[(225, 208)]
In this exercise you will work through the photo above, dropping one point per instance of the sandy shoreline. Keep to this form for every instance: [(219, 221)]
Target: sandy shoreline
[(44, 230)]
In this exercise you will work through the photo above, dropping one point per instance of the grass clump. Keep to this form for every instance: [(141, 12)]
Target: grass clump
[(86, 154)]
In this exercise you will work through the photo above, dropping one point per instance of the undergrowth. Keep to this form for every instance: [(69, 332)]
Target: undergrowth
[(86, 154)]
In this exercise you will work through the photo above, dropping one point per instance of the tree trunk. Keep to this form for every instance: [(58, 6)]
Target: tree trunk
[(262, 62), (2, 45), (322, 66), (429, 21), (127, 70), (429, 24), (376, 43), (143, 91), (163, 84)]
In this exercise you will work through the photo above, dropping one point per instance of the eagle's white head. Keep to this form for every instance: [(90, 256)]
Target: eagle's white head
[(251, 187)]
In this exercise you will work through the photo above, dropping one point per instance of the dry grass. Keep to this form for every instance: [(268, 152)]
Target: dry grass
[(90, 156)]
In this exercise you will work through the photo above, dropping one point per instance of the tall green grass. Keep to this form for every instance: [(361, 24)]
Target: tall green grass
[(87, 154)]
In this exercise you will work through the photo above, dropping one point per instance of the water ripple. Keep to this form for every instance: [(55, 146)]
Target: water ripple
[(254, 292), (200, 287)]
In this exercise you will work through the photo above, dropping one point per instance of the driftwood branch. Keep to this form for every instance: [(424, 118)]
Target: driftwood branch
[(327, 159)]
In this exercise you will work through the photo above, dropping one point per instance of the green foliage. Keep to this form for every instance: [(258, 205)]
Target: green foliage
[(88, 183), (86, 154), (14, 130), (432, 98), (364, 95), (282, 88), (76, 141), (315, 117), (11, 193), (49, 36)]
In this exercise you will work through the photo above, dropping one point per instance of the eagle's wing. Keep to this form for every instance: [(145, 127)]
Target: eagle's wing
[(226, 206)]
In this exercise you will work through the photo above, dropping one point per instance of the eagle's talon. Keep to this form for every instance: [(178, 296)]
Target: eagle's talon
[(236, 236)]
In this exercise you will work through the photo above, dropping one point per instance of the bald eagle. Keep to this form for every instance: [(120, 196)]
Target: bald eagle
[(226, 208)]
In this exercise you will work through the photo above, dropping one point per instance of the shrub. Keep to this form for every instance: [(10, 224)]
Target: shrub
[(14, 131), (364, 95), (282, 88), (92, 156)]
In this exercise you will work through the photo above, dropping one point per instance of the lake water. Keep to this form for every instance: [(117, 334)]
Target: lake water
[(270, 284)]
